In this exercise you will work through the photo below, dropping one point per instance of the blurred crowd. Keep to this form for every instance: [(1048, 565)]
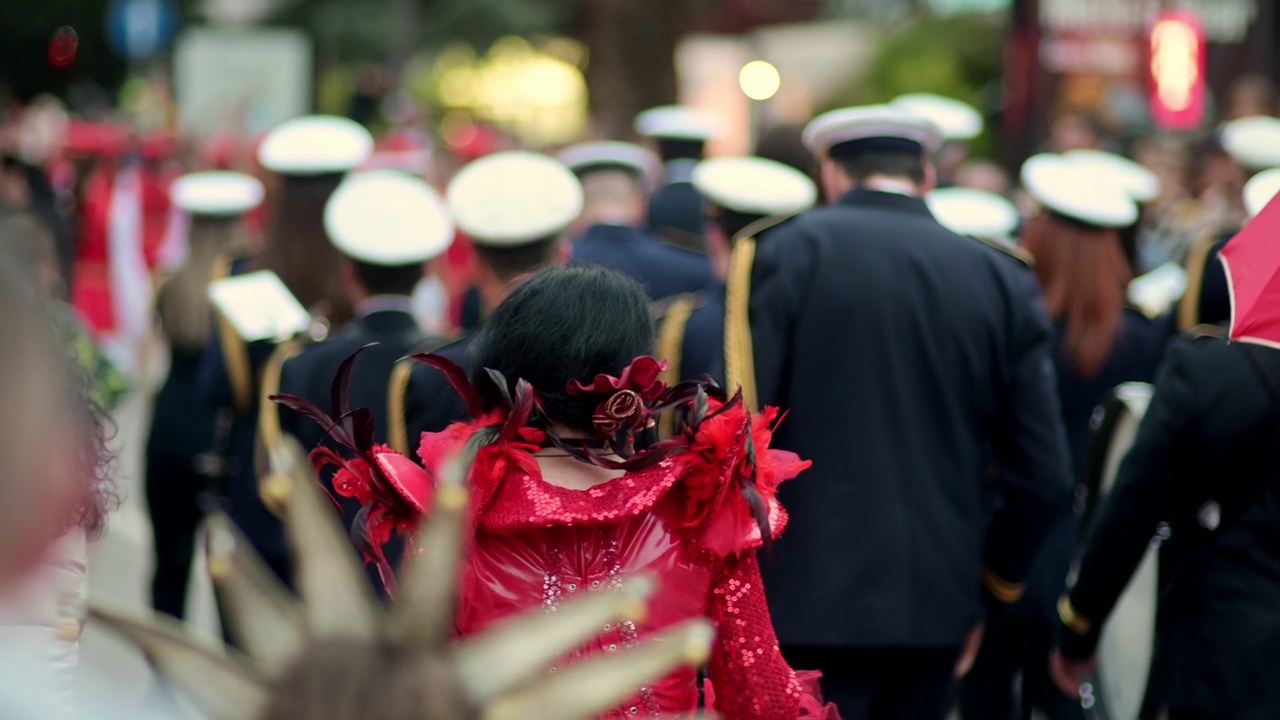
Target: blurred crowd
[(113, 236)]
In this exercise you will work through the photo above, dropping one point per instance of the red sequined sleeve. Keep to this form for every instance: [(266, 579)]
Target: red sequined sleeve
[(752, 681)]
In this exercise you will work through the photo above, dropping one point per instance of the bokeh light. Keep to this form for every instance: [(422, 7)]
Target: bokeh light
[(759, 80)]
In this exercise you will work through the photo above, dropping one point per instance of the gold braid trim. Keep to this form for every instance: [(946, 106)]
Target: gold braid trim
[(671, 348), (397, 423), (269, 432), (1189, 307), (739, 353), (1001, 589), (1074, 621), (235, 353)]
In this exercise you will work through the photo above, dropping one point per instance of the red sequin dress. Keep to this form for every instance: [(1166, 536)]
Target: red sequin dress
[(682, 520)]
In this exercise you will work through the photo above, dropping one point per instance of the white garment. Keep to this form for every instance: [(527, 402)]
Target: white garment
[(41, 621)]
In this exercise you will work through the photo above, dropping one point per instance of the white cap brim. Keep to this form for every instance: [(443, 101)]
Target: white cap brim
[(871, 122), (1141, 184), (218, 193), (388, 218), (967, 211), (1253, 141), (677, 122), (957, 120), (510, 199), (754, 186), (315, 145), (585, 157), (1260, 190), (1077, 192)]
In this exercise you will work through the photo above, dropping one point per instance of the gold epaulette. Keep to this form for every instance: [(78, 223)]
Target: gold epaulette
[(1074, 621), (1008, 248), (235, 353), (398, 388), (739, 352), (1001, 589), (1205, 330), (1197, 258), (671, 348), (397, 423), (269, 431)]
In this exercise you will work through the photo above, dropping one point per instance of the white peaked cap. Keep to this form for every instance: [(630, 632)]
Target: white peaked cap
[(1078, 192), (585, 157), (513, 198), (754, 186), (1141, 184), (388, 218), (677, 122), (217, 193), (1260, 189), (1253, 141), (968, 211), (957, 120), (870, 123), (315, 145)]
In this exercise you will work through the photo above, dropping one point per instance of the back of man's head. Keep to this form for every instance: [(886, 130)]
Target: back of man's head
[(612, 197)]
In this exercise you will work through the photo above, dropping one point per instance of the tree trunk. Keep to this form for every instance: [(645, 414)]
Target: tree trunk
[(631, 48)]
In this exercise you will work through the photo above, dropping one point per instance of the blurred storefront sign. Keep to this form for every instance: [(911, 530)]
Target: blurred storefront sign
[(1177, 52), (241, 79), (1135, 65)]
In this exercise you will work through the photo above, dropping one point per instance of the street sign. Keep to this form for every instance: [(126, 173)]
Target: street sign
[(141, 29)]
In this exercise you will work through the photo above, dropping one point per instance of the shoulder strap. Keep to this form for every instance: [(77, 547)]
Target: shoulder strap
[(269, 431), (739, 353), (671, 348), (397, 388), (1189, 306), (235, 354), (1008, 248)]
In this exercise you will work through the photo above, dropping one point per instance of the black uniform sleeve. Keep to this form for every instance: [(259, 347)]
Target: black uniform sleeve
[(1138, 501), (780, 278), (1030, 451)]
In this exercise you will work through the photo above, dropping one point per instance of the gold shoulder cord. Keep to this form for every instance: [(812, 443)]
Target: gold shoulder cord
[(235, 354), (671, 348), (269, 432), (739, 353), (397, 423), (1189, 307)]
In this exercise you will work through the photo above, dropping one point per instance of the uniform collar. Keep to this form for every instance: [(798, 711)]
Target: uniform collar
[(680, 170), (387, 314), (908, 204), (611, 233)]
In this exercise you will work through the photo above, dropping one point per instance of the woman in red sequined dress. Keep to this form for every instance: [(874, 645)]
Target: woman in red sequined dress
[(571, 491)]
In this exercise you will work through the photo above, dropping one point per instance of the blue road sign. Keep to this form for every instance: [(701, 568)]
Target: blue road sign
[(141, 29)]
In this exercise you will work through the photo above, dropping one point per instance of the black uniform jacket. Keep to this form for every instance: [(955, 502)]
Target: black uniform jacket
[(430, 403), (310, 374), (912, 361), (1205, 456), (662, 269), (229, 378)]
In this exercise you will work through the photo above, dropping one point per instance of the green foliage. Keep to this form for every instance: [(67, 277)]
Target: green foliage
[(959, 56)]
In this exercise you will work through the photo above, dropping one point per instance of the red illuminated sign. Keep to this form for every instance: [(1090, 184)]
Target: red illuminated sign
[(1177, 81)]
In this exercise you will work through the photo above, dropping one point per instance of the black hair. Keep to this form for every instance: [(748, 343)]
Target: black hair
[(566, 323), (859, 165), (388, 280), (509, 263), (731, 223), (672, 149)]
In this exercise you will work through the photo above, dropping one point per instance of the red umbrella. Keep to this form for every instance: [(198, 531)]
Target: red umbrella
[(1252, 260)]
